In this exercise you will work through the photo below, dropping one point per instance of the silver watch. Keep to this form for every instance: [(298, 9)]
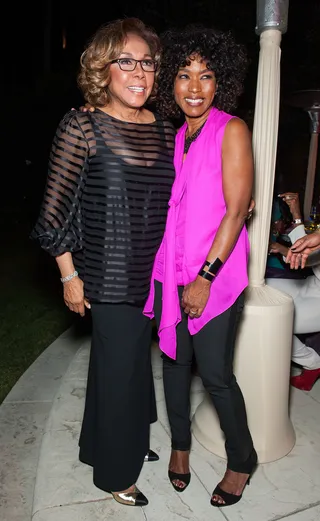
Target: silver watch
[(297, 221)]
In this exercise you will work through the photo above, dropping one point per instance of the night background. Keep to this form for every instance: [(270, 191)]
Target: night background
[(40, 56)]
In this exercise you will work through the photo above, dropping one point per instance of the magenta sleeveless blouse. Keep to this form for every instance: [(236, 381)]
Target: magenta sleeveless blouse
[(201, 174)]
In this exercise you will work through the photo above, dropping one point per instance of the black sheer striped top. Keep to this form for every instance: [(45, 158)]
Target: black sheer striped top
[(106, 201)]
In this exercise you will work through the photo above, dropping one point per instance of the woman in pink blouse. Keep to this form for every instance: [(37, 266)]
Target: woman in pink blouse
[(200, 271)]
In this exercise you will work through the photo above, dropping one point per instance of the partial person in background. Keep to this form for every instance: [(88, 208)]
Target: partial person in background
[(306, 297), (276, 266), (303, 249), (103, 218)]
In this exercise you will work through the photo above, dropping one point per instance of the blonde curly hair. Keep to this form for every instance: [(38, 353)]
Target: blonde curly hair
[(105, 46)]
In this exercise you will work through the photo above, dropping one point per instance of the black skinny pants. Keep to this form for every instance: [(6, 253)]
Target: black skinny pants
[(213, 347)]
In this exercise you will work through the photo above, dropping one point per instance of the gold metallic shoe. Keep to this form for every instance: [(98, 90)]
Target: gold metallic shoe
[(134, 499)]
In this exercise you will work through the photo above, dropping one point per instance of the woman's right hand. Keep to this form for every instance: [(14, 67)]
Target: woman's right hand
[(292, 200), (73, 295), (87, 108)]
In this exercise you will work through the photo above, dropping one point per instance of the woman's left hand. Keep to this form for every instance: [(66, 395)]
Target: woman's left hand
[(195, 297)]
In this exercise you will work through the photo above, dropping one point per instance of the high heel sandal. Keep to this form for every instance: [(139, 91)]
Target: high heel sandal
[(305, 380), (151, 456), (229, 499), (185, 478), (232, 499), (134, 499)]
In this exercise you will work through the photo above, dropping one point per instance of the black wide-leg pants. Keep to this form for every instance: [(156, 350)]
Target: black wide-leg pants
[(213, 347), (120, 400)]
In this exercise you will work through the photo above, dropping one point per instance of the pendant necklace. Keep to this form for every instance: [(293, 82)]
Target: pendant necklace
[(192, 138)]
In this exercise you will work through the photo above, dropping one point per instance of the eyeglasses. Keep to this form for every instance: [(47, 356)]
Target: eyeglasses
[(129, 64)]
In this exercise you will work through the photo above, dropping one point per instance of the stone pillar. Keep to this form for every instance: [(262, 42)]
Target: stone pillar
[(312, 160), (263, 352)]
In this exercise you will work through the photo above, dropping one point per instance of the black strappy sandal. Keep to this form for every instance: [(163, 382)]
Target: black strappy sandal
[(232, 499), (185, 478), (229, 499)]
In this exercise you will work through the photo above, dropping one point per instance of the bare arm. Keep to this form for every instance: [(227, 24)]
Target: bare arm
[(73, 289), (292, 200), (237, 178), (56, 228), (65, 264)]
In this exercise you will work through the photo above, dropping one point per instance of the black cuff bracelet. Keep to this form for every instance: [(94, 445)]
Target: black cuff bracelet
[(206, 275), (213, 267)]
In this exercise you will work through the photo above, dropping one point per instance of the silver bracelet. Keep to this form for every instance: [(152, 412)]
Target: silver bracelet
[(69, 277)]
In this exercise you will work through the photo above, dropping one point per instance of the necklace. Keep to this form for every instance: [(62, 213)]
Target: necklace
[(191, 139)]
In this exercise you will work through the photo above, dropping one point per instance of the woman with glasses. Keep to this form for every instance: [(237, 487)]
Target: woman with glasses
[(103, 218)]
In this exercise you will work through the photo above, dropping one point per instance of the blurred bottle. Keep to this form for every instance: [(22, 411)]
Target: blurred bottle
[(315, 213)]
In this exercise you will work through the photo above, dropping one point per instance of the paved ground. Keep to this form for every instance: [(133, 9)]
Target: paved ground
[(40, 422), (23, 417)]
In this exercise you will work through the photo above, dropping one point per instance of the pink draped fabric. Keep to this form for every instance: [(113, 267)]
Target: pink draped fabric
[(202, 171)]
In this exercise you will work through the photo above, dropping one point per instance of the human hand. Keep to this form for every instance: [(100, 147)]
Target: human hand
[(301, 249), (292, 200), (252, 206), (73, 295), (195, 297), (86, 108), (275, 247)]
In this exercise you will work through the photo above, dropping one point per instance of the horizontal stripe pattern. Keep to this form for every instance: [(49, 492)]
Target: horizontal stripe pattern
[(106, 201)]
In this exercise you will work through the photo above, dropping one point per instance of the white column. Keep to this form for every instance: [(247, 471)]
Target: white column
[(264, 142), (312, 163), (263, 352)]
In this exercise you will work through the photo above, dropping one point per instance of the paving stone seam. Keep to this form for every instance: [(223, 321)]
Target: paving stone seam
[(313, 398), (297, 511), (22, 402), (71, 504)]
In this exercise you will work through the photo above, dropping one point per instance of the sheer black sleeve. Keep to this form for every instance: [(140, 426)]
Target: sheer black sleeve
[(59, 227)]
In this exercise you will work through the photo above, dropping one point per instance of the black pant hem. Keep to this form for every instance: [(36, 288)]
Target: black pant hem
[(181, 446), (247, 466)]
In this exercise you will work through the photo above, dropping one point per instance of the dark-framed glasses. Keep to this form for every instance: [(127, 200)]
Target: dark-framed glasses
[(129, 64)]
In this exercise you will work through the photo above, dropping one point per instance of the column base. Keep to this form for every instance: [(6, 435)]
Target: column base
[(262, 367)]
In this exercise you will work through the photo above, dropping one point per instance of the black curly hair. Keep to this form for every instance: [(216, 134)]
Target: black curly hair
[(218, 49)]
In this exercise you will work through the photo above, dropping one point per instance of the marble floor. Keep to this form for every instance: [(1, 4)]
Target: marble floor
[(286, 489), (23, 419)]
